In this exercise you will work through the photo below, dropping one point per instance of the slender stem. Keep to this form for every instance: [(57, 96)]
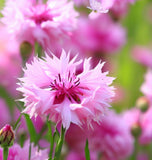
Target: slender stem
[(38, 50), (29, 152), (5, 153), (51, 139), (15, 127), (134, 156), (59, 144), (87, 153)]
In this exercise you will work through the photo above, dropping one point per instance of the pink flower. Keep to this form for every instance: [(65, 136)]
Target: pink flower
[(31, 20), (51, 87), (101, 6), (7, 136), (146, 136), (10, 61), (81, 2), (18, 153), (146, 87), (143, 55), (111, 138), (93, 37), (77, 142), (144, 120), (120, 7), (131, 117), (72, 155)]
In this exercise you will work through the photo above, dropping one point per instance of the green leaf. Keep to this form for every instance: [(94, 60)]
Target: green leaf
[(59, 144), (31, 129), (38, 50), (87, 153), (9, 100), (51, 139), (17, 122)]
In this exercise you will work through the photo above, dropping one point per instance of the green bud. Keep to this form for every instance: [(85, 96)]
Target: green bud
[(136, 130), (25, 50), (142, 103), (6, 136)]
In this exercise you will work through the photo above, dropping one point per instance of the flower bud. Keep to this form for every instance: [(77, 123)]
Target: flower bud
[(25, 50), (142, 103), (6, 136), (136, 130)]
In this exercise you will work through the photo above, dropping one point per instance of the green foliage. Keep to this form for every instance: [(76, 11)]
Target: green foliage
[(129, 74), (31, 129), (1, 6), (59, 144)]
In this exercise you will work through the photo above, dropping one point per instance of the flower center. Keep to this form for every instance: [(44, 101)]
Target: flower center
[(39, 14), (66, 87)]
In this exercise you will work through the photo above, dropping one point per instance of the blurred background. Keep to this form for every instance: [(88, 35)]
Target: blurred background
[(127, 52)]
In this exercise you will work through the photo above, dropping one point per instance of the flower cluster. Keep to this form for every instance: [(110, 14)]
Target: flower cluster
[(33, 20), (111, 138), (55, 88)]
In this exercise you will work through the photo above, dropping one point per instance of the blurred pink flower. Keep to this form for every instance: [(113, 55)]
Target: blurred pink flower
[(143, 55), (18, 153), (146, 87), (92, 36), (72, 155), (131, 117), (51, 87), (117, 141), (31, 20), (120, 7), (38, 123), (101, 6), (77, 142), (75, 156), (142, 156), (10, 61), (146, 125), (120, 94), (81, 2), (144, 120), (111, 138)]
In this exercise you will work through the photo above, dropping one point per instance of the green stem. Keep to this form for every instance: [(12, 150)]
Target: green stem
[(134, 156), (38, 50), (5, 153), (59, 144), (51, 139), (87, 153), (29, 152), (17, 122)]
